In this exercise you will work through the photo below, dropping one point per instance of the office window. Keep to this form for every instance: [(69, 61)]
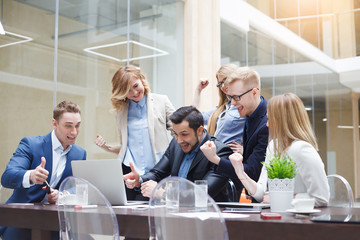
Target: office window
[(94, 39)]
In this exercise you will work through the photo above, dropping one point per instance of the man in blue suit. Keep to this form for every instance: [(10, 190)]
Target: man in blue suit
[(41, 160), (243, 90)]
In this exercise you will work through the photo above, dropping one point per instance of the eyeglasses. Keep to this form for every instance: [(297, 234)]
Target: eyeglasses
[(221, 83), (238, 97)]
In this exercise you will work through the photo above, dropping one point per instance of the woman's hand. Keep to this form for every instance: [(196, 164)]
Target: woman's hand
[(236, 160), (100, 141), (203, 83), (266, 198)]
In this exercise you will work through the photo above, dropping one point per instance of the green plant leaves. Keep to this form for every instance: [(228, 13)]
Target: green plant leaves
[(281, 167)]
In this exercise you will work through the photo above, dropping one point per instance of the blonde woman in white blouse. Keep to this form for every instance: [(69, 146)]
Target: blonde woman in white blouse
[(290, 133)]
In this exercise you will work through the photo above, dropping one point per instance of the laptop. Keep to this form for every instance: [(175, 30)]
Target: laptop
[(254, 206), (337, 218), (107, 176)]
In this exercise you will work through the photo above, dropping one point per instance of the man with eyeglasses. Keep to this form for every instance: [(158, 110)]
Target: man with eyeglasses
[(243, 90)]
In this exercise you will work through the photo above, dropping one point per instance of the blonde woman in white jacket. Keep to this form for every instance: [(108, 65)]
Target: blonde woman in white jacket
[(290, 133), (143, 123)]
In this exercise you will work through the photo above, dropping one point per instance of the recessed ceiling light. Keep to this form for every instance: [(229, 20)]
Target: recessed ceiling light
[(158, 53), (2, 31), (25, 39), (345, 127)]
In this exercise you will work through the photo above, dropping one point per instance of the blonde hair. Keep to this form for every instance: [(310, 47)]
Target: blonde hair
[(121, 85), (225, 70), (288, 121), (248, 76)]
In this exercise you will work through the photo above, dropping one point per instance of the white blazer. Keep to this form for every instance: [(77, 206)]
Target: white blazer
[(310, 178), (159, 110)]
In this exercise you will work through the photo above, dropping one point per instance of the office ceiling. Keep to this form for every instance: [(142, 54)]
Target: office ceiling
[(258, 50), (102, 14)]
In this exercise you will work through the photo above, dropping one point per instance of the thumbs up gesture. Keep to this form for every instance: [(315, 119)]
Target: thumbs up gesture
[(39, 174), (132, 179)]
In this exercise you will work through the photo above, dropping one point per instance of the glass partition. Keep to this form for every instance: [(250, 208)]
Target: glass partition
[(328, 102), (26, 74), (94, 39)]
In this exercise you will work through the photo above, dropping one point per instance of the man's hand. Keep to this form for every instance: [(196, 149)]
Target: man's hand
[(52, 197), (209, 150), (39, 174), (132, 179), (236, 147), (147, 188)]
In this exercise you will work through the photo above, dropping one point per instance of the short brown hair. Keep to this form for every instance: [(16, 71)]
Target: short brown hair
[(65, 106)]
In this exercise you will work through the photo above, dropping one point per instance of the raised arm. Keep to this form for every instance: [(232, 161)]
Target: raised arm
[(236, 160), (169, 108), (203, 83)]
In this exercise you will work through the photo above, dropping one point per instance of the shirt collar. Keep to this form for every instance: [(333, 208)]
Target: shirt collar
[(257, 109), (56, 145), (228, 105), (141, 103)]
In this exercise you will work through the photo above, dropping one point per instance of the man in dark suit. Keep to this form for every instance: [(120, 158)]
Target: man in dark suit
[(43, 159), (243, 89), (183, 158)]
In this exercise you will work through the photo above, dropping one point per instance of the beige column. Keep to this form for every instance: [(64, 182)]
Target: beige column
[(202, 49), (345, 28), (355, 111)]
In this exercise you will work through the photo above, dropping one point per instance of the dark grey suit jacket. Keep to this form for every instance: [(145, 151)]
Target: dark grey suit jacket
[(201, 167)]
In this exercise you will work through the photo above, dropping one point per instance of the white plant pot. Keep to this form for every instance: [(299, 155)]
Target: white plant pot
[(281, 194)]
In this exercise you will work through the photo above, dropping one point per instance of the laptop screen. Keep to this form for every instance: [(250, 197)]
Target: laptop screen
[(106, 175)]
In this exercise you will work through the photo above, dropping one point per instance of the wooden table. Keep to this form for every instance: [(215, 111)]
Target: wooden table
[(134, 223)]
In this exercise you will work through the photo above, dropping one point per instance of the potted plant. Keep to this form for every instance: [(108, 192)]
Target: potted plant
[(281, 173)]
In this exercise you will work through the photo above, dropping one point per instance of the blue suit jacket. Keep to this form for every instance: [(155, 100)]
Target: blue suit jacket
[(28, 156), (255, 144)]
